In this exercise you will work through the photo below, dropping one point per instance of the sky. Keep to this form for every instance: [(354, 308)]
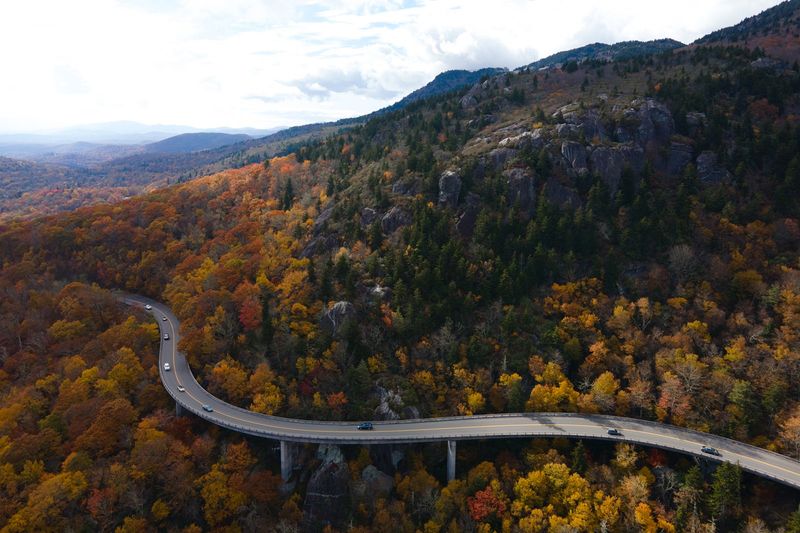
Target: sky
[(266, 64)]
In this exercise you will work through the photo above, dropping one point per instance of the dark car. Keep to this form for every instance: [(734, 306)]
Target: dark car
[(208, 408), (709, 450), (364, 426), (614, 431)]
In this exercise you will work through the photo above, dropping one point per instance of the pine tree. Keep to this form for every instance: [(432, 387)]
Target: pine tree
[(288, 196)]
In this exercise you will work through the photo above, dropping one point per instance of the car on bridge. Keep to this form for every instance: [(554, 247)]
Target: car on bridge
[(166, 367), (163, 318), (614, 432), (181, 389), (148, 307), (166, 336), (364, 426), (207, 408), (711, 451)]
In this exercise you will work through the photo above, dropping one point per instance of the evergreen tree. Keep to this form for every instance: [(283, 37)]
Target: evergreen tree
[(726, 494), (267, 329), (288, 196)]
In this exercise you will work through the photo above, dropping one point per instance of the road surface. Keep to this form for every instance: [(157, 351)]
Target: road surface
[(751, 458)]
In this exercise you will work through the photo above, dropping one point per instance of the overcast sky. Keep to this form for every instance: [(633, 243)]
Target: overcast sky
[(264, 63)]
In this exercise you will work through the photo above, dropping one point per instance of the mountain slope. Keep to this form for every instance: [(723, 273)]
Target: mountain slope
[(607, 52), (194, 142)]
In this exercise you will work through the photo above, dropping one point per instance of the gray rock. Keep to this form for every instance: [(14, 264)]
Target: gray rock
[(574, 153), (376, 483), (394, 219), (368, 216), (607, 164), (593, 126), (708, 170), (656, 122), (319, 245), (521, 188), (327, 496), (680, 155), (322, 219), (470, 99), (405, 187), (568, 131), (449, 188), (337, 317), (633, 157), (500, 156), (560, 195), (389, 404)]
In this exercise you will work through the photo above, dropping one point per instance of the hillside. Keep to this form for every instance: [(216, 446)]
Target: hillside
[(194, 142)]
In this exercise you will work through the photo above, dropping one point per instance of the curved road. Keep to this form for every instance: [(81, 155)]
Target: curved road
[(751, 458)]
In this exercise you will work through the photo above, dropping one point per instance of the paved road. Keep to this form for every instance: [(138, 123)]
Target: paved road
[(752, 459)]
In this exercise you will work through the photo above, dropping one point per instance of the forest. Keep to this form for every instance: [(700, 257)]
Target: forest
[(613, 238)]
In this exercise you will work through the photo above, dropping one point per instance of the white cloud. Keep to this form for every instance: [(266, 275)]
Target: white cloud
[(257, 63)]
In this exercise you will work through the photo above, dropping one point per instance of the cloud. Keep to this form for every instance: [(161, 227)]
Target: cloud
[(265, 63)]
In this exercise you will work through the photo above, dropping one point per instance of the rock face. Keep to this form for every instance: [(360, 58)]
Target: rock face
[(318, 245), (368, 216), (322, 219), (394, 219), (500, 156), (680, 155), (521, 188), (449, 188), (327, 494), (656, 122), (560, 195), (390, 403), (376, 483), (337, 317), (574, 153), (708, 170), (466, 221), (607, 163)]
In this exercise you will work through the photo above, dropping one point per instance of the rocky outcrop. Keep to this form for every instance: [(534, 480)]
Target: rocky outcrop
[(394, 219), (321, 221), (498, 157), (449, 188), (656, 122), (680, 155), (337, 317), (327, 493), (574, 153), (318, 245), (569, 131), (521, 188), (368, 216), (406, 187), (390, 404), (607, 164), (708, 170), (378, 484)]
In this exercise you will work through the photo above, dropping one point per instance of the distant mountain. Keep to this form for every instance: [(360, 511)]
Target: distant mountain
[(194, 142), (606, 52)]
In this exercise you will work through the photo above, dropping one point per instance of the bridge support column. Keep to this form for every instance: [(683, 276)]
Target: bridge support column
[(451, 460), (287, 460), (178, 410)]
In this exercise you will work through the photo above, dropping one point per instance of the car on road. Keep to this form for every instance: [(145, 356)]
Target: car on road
[(709, 450), (364, 426), (166, 367), (613, 431), (208, 408), (163, 319), (181, 389), (166, 336), (148, 307)]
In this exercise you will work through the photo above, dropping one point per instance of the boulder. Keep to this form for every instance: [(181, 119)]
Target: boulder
[(574, 153), (568, 131), (708, 170), (470, 99), (521, 188), (327, 493), (407, 187), (337, 317), (394, 219), (680, 155), (389, 404), (377, 484), (449, 188)]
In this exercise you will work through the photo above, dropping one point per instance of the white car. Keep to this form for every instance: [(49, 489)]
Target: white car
[(166, 367), (164, 319), (181, 389), (166, 336), (148, 307)]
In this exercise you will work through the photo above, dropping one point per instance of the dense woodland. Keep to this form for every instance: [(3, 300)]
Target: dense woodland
[(663, 295)]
